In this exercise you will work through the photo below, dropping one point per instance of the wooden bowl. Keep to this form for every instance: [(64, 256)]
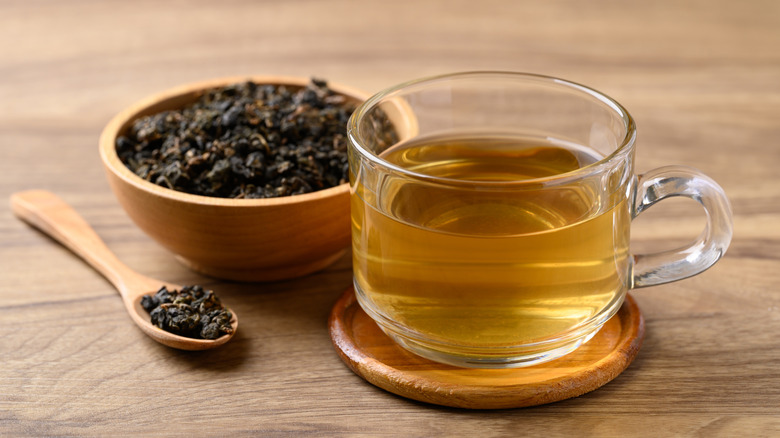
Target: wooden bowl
[(235, 239)]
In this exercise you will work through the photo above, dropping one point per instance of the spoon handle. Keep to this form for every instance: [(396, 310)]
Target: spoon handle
[(50, 214)]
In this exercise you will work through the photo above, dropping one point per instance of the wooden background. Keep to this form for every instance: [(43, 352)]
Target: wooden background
[(701, 77)]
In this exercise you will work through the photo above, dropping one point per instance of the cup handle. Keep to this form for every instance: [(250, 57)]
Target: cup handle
[(676, 264)]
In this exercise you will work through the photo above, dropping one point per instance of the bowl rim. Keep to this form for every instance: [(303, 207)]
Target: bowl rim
[(114, 165)]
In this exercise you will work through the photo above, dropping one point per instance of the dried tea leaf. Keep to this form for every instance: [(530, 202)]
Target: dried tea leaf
[(245, 141), (193, 312)]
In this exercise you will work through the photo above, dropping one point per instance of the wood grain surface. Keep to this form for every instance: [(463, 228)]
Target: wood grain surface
[(702, 78)]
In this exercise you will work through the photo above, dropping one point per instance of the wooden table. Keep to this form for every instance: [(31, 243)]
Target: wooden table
[(701, 78)]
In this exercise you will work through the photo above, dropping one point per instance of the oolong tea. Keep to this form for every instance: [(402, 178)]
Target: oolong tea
[(245, 141), (193, 312), (488, 267)]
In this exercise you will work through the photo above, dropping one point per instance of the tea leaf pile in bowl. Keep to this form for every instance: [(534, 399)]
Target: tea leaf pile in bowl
[(242, 178), (245, 140)]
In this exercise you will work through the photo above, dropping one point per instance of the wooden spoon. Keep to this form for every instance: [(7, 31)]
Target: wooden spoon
[(53, 216)]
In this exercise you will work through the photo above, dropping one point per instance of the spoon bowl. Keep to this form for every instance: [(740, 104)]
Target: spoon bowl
[(172, 340), (54, 217)]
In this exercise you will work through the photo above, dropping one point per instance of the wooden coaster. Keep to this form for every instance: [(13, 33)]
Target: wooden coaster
[(372, 355)]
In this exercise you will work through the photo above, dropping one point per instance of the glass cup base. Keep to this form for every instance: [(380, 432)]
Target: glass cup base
[(513, 361), (509, 357)]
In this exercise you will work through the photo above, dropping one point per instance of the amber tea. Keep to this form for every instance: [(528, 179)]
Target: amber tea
[(470, 265)]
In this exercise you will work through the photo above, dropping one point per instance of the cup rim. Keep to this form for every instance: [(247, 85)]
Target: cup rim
[(618, 154)]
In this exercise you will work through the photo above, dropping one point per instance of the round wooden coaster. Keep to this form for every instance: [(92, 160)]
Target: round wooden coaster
[(375, 357)]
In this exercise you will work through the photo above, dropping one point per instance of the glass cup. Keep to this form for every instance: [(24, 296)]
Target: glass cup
[(491, 215)]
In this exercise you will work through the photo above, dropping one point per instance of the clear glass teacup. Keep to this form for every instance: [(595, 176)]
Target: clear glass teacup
[(491, 216)]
